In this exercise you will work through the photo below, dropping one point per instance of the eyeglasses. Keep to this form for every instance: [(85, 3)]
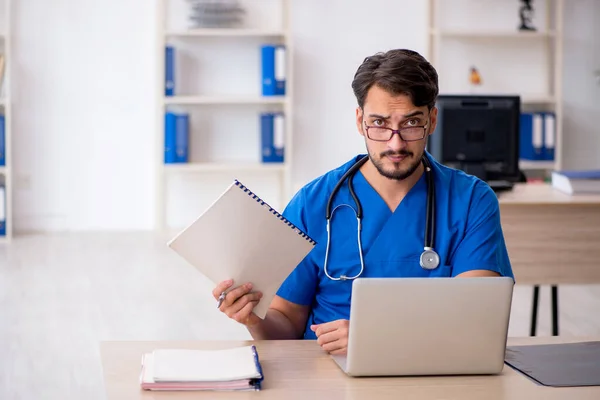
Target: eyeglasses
[(408, 134)]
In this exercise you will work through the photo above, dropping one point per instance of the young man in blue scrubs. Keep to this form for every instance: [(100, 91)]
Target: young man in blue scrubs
[(396, 93)]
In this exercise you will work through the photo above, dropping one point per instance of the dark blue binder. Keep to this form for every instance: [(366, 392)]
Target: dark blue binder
[(3, 210), (272, 137), (527, 137), (266, 137), (181, 138), (2, 141), (169, 71)]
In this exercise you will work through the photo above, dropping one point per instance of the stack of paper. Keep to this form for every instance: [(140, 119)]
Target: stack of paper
[(181, 369)]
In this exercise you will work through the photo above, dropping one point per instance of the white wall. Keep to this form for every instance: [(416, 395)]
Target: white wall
[(331, 39), (83, 102), (581, 92), (84, 87), (84, 92)]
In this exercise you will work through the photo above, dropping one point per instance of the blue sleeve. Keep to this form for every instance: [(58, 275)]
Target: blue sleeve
[(483, 245), (300, 286)]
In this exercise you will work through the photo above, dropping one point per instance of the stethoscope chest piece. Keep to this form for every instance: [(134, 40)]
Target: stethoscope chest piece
[(429, 259)]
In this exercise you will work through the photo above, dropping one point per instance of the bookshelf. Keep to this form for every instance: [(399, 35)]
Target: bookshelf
[(485, 34), (222, 100), (222, 32), (217, 73), (6, 170)]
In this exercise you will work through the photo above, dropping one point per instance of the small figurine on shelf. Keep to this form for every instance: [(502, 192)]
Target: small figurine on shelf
[(526, 13), (475, 77)]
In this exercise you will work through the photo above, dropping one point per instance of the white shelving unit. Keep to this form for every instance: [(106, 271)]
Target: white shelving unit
[(528, 63), (225, 32), (181, 100), (5, 109), (218, 83)]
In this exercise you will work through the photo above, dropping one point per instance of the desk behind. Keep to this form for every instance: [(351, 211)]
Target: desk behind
[(552, 237), (301, 370)]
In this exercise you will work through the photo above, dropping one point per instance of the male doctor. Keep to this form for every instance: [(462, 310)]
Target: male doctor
[(396, 93)]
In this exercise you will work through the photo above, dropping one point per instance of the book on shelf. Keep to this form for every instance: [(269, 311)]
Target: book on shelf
[(235, 368), (537, 136), (177, 128), (272, 134), (576, 182), (273, 69)]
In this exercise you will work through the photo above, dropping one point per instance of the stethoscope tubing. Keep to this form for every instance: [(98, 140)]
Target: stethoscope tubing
[(428, 254)]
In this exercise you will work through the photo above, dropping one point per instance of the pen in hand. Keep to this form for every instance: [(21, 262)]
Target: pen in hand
[(221, 299)]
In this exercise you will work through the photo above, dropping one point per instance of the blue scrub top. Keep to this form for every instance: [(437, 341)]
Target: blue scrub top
[(468, 236)]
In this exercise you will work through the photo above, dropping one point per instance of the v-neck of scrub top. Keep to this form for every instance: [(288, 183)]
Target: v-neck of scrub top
[(381, 224)]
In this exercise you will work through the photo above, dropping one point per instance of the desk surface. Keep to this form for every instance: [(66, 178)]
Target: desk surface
[(552, 237), (300, 369), (543, 193)]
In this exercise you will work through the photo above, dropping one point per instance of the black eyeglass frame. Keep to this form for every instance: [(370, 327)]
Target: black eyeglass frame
[(398, 131)]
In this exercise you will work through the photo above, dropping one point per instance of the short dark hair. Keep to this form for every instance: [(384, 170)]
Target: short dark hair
[(398, 71)]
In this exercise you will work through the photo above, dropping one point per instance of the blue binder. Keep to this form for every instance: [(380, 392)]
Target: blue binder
[(169, 71), (170, 137), (2, 141), (176, 138), (182, 138), (266, 137), (2, 210), (273, 69), (272, 137), (531, 136)]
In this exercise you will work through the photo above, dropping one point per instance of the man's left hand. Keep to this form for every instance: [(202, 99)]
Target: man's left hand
[(332, 336)]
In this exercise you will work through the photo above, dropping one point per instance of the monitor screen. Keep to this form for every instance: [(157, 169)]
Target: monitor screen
[(479, 135)]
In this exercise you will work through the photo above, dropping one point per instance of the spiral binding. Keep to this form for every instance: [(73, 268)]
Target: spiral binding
[(274, 212)]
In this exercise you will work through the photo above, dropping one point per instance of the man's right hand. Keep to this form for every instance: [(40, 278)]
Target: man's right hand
[(239, 302)]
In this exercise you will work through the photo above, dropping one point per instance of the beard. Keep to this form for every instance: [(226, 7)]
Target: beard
[(397, 173)]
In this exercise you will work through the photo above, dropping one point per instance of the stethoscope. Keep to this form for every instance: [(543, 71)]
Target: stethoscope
[(429, 257)]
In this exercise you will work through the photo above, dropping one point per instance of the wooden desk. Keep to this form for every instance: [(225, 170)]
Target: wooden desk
[(301, 370), (552, 238)]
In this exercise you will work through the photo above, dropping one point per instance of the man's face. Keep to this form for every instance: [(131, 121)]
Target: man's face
[(394, 158)]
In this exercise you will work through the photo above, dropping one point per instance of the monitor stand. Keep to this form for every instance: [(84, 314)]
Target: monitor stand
[(478, 170), (500, 186)]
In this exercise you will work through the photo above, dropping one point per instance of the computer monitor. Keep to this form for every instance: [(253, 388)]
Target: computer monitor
[(479, 134)]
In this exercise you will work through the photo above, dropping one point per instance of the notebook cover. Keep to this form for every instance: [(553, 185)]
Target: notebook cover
[(568, 364), (184, 365), (241, 237)]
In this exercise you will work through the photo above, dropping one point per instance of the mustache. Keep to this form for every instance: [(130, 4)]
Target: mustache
[(396, 153)]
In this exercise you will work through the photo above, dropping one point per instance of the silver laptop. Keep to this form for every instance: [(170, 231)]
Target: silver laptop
[(427, 326)]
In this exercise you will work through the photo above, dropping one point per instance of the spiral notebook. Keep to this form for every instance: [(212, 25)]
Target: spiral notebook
[(241, 237)]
